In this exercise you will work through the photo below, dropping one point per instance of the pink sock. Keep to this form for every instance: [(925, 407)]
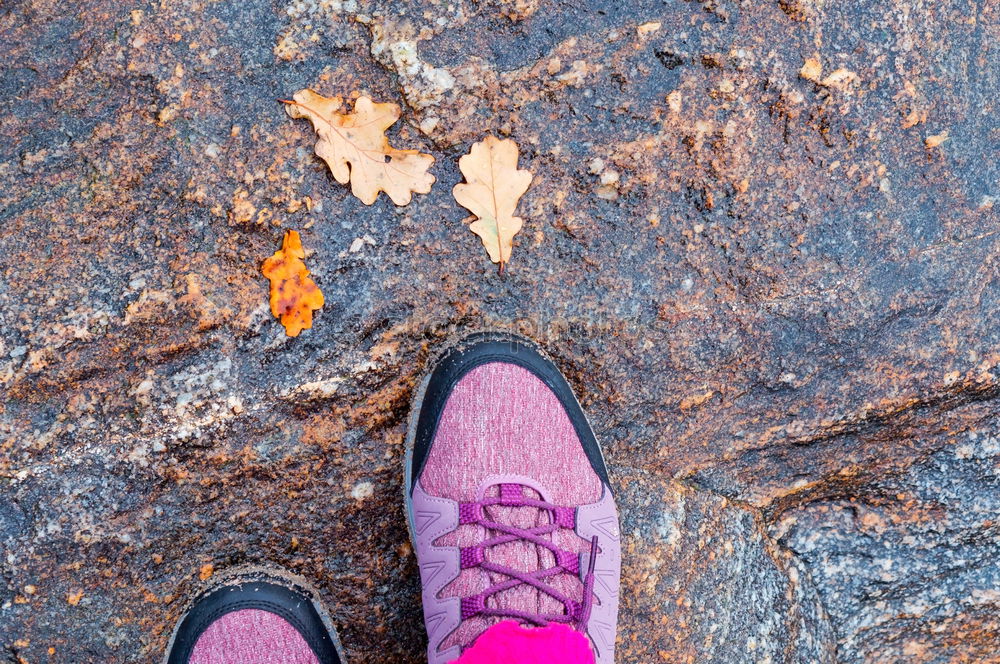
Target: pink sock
[(251, 636), (509, 643)]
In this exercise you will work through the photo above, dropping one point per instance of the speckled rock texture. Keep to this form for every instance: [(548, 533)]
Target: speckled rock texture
[(762, 241)]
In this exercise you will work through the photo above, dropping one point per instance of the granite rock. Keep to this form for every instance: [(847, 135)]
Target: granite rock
[(762, 242)]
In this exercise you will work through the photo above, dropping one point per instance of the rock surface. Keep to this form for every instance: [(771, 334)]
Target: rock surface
[(762, 241)]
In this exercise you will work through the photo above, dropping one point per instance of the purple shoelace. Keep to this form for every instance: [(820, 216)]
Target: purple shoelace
[(566, 562)]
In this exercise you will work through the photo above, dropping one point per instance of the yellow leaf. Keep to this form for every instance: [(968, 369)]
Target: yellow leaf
[(493, 187), (355, 148), (294, 296)]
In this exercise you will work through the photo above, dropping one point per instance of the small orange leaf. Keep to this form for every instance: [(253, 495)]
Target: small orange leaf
[(491, 192), (355, 148), (294, 296)]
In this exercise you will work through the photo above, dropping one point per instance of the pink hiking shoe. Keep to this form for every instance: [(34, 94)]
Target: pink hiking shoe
[(256, 620), (510, 512)]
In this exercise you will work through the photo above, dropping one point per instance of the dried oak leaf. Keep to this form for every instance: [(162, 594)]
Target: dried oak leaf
[(493, 187), (294, 296), (355, 148)]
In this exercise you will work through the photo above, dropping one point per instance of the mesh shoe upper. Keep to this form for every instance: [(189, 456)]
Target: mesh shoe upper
[(251, 636), (502, 422), (507, 454)]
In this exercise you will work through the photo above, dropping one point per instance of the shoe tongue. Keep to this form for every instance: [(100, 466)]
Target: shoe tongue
[(526, 556), (519, 555)]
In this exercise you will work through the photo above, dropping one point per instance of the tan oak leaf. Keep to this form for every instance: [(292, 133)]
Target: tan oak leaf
[(493, 185), (357, 151)]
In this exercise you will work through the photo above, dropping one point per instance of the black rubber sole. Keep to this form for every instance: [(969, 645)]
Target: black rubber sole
[(467, 354)]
